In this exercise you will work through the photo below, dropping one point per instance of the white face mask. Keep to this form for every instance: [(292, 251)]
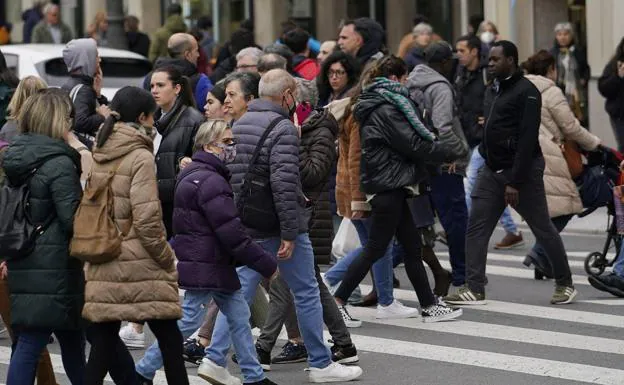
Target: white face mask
[(487, 37)]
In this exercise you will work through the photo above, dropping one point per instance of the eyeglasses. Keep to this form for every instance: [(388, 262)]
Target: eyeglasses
[(338, 73)]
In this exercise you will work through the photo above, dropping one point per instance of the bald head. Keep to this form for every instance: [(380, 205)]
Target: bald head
[(183, 46), (276, 85)]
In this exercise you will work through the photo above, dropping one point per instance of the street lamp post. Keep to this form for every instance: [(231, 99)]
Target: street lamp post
[(116, 33)]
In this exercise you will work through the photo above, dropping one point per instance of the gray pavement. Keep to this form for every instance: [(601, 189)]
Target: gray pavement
[(517, 339)]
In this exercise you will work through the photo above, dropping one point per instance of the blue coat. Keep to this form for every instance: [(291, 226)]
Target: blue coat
[(210, 239)]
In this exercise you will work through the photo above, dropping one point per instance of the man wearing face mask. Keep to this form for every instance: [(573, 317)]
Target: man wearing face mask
[(268, 155), (431, 89)]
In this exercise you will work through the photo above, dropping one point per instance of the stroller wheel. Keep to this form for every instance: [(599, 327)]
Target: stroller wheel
[(595, 263)]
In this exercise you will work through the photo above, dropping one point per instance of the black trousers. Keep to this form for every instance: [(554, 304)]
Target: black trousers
[(390, 216), (108, 351), (488, 203)]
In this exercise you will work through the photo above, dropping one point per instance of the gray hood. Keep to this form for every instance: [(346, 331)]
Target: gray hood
[(81, 55), (422, 76)]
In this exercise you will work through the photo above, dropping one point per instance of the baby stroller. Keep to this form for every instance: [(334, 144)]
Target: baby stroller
[(601, 175)]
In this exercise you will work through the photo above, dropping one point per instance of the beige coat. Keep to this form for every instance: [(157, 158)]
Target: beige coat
[(142, 283), (559, 123), (86, 158)]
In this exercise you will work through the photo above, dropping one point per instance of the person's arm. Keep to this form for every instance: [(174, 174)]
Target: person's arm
[(358, 199), (284, 177), (217, 204), (568, 123), (87, 120), (316, 165), (146, 211), (528, 137), (610, 84), (65, 189)]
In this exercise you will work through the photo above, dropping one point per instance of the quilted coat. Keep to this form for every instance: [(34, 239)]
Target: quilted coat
[(47, 286), (559, 123), (141, 284), (317, 156), (210, 239)]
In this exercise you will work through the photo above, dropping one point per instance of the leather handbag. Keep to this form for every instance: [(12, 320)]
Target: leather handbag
[(573, 157)]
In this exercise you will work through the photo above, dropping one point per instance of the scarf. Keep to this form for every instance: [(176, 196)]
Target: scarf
[(398, 95), (567, 73)]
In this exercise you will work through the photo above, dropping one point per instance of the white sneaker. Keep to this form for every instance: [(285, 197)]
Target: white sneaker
[(349, 321), (131, 338), (395, 310), (216, 374), (335, 373)]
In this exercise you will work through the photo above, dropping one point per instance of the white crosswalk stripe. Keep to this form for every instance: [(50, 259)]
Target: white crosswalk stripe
[(500, 336)]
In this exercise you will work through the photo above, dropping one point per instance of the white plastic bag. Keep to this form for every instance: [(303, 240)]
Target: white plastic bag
[(346, 239)]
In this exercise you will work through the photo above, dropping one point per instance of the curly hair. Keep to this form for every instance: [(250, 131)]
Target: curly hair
[(350, 65)]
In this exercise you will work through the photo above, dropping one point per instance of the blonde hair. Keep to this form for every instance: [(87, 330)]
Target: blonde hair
[(48, 112), (486, 23), (26, 87), (209, 132)]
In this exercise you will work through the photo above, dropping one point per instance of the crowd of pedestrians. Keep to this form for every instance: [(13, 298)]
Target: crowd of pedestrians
[(231, 183)]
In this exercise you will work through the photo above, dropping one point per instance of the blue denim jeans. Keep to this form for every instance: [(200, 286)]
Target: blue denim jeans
[(194, 307), (382, 269), (298, 272), (476, 163), (447, 193), (28, 348), (618, 267)]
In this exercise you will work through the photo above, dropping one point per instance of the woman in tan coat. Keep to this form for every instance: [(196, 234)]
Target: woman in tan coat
[(558, 125), (141, 284)]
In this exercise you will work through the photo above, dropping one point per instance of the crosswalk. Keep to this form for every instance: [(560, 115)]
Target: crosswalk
[(516, 338)]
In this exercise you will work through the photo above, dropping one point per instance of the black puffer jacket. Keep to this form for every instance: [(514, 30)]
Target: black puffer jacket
[(471, 87), (279, 157), (611, 86), (393, 154), (510, 138), (87, 120), (317, 156), (47, 286), (178, 129)]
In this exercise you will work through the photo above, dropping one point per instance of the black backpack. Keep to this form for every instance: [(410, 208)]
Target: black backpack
[(255, 204), (18, 234)]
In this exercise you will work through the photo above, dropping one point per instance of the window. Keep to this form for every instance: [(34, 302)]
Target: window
[(12, 63), (118, 72)]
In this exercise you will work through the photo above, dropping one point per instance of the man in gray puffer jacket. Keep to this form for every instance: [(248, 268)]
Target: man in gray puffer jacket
[(431, 89)]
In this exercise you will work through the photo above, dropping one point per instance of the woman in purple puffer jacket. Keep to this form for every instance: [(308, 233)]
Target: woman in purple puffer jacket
[(210, 242)]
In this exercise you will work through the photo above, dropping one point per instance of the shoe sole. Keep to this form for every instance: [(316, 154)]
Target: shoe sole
[(447, 317), (265, 367), (569, 300), (349, 360), (134, 345), (335, 379), (354, 325), (514, 246), (467, 303), (293, 361), (211, 380), (596, 284)]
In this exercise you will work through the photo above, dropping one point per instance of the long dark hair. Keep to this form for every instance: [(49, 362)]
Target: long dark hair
[(539, 64), (6, 75), (127, 105), (175, 76), (351, 66)]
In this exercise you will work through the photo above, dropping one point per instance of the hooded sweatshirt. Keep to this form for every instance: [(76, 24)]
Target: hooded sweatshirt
[(433, 92), (80, 57)]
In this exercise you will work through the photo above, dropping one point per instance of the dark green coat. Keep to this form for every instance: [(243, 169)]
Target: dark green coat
[(47, 286)]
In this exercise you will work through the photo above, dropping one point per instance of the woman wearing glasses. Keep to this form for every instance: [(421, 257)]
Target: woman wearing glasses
[(339, 74)]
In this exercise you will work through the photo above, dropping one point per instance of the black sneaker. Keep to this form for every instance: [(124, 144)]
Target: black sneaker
[(291, 353), (193, 351), (344, 354), (266, 381), (440, 312), (143, 380), (263, 357)]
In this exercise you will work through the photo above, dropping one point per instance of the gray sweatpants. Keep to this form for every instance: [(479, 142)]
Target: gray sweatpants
[(488, 203), (282, 309)]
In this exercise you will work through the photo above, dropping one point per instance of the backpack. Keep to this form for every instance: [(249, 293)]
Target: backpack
[(18, 235), (96, 239), (255, 203), (418, 97)]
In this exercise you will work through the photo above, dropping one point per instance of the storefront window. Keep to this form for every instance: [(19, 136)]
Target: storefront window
[(440, 15)]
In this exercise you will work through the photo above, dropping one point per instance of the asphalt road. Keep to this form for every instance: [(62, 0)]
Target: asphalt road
[(518, 338)]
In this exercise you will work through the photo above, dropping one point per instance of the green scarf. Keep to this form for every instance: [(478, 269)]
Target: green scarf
[(398, 95)]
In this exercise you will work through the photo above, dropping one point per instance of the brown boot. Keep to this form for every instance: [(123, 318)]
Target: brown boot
[(442, 277), (510, 241)]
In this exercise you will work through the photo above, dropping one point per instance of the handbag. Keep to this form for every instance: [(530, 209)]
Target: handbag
[(595, 187), (255, 204), (573, 157)]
